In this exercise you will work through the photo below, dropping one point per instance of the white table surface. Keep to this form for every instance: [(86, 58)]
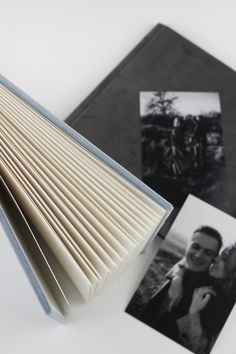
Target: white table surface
[(57, 52)]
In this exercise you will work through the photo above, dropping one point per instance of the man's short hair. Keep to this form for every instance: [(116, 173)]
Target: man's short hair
[(210, 231)]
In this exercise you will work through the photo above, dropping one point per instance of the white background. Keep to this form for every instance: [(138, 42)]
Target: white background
[(57, 52)]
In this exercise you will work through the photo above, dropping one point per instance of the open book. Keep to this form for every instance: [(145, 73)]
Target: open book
[(61, 194)]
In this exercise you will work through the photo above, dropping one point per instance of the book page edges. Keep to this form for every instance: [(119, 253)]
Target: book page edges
[(96, 152), (31, 257)]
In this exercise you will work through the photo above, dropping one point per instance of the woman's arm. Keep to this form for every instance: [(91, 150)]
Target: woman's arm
[(191, 332)]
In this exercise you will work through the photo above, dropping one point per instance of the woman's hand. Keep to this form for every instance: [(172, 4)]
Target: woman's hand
[(200, 299)]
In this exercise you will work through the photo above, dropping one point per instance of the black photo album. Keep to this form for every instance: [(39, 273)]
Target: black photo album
[(166, 62)]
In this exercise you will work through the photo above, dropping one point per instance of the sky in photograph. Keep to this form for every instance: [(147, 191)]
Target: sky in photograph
[(195, 213), (193, 103)]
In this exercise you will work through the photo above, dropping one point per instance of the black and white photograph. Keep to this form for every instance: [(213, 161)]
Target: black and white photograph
[(189, 289), (183, 147)]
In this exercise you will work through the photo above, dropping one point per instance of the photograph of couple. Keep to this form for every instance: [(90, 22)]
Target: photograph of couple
[(183, 146), (190, 287)]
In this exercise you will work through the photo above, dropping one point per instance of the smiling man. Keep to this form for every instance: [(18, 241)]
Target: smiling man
[(204, 246)]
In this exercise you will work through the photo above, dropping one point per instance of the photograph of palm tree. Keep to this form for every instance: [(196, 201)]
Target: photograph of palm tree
[(182, 146)]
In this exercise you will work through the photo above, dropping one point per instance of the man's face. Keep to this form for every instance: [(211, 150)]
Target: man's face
[(201, 252)]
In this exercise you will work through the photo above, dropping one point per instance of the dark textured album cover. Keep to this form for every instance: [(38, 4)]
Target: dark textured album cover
[(163, 61)]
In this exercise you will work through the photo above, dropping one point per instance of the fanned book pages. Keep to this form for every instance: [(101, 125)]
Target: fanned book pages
[(60, 193)]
